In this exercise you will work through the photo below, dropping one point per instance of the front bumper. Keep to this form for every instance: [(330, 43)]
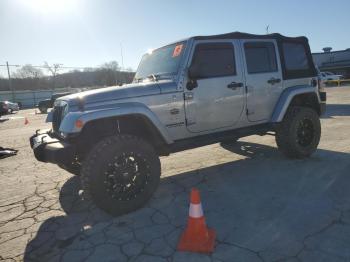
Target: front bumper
[(49, 149)]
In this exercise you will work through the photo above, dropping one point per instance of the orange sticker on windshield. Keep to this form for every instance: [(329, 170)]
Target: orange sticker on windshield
[(177, 50)]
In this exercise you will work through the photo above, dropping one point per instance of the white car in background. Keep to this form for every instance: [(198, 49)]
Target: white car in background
[(327, 76)]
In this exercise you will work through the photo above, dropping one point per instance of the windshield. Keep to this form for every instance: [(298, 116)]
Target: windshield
[(162, 61)]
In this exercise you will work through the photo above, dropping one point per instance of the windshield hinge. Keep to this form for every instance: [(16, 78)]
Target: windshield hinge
[(188, 96)]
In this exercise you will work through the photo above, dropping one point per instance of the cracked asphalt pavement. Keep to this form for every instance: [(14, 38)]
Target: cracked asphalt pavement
[(263, 206)]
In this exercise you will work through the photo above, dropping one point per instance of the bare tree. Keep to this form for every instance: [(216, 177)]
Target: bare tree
[(129, 69), (112, 65), (109, 73), (29, 76), (28, 71), (53, 69), (89, 69)]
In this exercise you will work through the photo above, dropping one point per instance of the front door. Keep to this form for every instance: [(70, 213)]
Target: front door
[(263, 78), (214, 98)]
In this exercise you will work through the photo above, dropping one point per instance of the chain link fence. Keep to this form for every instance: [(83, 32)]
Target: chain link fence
[(30, 99)]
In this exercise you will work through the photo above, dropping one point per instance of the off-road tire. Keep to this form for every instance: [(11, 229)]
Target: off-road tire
[(287, 138), (71, 168), (104, 156), (43, 109)]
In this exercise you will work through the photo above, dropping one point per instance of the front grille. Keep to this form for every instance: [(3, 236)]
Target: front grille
[(57, 117)]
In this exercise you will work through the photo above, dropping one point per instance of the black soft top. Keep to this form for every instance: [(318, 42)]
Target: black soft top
[(280, 39), (241, 35)]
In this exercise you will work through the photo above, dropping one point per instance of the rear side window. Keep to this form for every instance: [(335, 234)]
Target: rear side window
[(260, 57), (214, 60), (295, 56)]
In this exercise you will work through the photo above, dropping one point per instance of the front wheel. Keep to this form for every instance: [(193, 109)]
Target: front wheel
[(120, 174), (73, 168), (298, 135)]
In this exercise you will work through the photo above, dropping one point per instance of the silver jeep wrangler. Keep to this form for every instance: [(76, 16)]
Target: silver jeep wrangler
[(194, 92)]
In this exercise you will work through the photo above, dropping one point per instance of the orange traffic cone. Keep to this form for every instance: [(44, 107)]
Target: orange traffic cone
[(197, 237), (26, 122)]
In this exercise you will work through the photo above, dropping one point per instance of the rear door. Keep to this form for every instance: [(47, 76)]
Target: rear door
[(218, 98), (263, 78)]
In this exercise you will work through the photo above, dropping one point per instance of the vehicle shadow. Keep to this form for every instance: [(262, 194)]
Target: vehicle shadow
[(251, 150), (337, 110), (258, 202)]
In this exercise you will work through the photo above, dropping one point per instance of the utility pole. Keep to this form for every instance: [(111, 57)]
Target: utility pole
[(10, 83), (121, 54), (267, 29)]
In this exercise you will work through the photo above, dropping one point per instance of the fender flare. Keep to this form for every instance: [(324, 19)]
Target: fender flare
[(286, 98), (123, 109)]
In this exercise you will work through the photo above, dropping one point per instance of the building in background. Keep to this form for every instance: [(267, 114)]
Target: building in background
[(337, 62)]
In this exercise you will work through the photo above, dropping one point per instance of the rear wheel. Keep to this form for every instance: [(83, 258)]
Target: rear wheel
[(120, 174), (299, 133)]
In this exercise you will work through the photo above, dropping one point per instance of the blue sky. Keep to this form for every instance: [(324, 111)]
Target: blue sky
[(90, 32)]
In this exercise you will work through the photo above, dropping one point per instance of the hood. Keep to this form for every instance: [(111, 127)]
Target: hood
[(113, 93)]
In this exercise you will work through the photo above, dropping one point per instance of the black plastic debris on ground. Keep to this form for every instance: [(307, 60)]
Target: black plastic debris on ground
[(7, 152)]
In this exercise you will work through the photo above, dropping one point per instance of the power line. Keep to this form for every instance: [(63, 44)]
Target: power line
[(10, 65), (10, 83), (63, 67), (121, 53)]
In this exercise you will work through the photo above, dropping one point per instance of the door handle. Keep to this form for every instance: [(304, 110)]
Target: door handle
[(235, 85), (273, 81)]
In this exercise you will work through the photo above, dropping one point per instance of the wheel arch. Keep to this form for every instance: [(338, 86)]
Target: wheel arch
[(133, 124), (296, 96)]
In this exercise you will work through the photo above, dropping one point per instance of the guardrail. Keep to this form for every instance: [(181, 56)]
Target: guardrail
[(340, 82)]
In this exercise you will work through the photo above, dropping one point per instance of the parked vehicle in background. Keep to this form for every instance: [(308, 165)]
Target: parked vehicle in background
[(44, 105), (328, 76), (3, 108), (8, 107), (194, 92)]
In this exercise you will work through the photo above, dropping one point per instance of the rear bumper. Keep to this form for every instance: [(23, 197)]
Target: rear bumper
[(49, 149)]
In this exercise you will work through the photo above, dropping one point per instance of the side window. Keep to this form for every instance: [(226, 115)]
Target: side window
[(295, 56), (214, 60), (260, 57)]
